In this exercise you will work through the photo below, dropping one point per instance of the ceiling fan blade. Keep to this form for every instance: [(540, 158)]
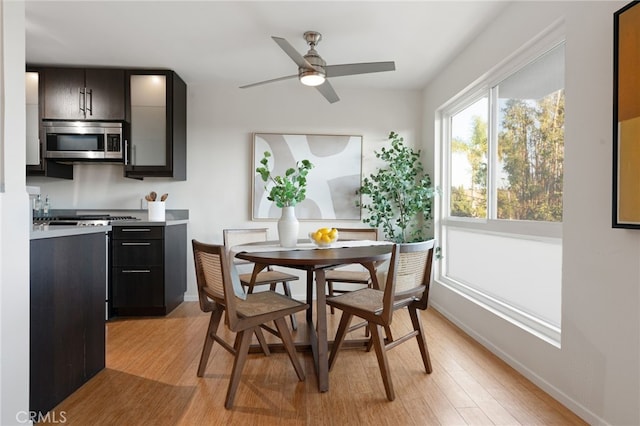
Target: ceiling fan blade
[(360, 68), (327, 91), (292, 53), (269, 81)]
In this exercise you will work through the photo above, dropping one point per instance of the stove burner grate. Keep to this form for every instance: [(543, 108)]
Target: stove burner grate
[(80, 220)]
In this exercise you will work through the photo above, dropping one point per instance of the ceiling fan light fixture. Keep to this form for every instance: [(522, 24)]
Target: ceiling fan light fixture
[(311, 78), (313, 70)]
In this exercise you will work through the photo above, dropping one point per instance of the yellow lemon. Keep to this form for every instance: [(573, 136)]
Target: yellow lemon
[(317, 236), (333, 234), (324, 230), (326, 239)]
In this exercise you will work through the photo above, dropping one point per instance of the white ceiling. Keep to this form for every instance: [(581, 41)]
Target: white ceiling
[(230, 42)]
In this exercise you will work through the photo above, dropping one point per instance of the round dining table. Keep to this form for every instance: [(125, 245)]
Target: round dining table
[(315, 261)]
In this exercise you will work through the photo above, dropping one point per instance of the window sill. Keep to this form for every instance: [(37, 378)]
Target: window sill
[(519, 228), (539, 328)]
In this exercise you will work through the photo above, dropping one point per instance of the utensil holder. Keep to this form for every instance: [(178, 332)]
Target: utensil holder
[(156, 211)]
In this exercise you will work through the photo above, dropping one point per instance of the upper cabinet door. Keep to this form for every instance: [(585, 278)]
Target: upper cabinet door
[(156, 137), (84, 94), (63, 94), (148, 120), (105, 94), (34, 156)]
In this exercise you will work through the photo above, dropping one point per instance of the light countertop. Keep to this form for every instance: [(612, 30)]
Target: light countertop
[(172, 217)]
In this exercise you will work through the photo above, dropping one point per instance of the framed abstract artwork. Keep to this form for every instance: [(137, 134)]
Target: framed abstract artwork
[(626, 117), (331, 184)]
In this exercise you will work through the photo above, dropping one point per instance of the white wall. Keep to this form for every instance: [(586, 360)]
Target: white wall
[(597, 370), (220, 122), (14, 220)]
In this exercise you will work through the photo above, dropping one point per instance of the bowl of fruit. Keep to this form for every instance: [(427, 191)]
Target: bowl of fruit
[(324, 237)]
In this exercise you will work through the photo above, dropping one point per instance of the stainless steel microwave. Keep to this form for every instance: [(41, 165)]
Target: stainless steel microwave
[(79, 140)]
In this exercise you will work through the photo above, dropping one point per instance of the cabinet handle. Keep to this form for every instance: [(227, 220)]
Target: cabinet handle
[(136, 229), (90, 107), (82, 101), (126, 152), (136, 244), (136, 271)]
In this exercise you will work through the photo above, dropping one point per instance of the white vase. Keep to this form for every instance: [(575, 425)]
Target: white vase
[(288, 226)]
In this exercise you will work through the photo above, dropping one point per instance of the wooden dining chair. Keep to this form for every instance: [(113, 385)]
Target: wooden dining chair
[(270, 277), (244, 317), (348, 275), (407, 286)]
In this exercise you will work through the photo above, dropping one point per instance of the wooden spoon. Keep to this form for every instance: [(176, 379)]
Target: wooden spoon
[(153, 195), (164, 197)]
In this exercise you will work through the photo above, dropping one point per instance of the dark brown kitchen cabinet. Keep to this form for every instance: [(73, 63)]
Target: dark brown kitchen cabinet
[(148, 269), (84, 94), (156, 131), (68, 283)]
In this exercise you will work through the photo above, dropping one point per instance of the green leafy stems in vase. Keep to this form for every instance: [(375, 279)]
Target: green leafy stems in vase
[(289, 189)]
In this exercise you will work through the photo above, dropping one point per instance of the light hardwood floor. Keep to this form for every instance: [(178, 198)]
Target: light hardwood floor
[(151, 379)]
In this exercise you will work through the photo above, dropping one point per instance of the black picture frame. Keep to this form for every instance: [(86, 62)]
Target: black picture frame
[(626, 117)]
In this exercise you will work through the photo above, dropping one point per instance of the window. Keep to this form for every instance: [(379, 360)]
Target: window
[(530, 140), (502, 171), (469, 151)]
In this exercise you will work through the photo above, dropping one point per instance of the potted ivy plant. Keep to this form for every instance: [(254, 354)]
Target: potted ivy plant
[(399, 196), (286, 191)]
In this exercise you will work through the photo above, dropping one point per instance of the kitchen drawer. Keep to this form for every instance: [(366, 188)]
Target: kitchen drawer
[(135, 287), (137, 233), (137, 252)]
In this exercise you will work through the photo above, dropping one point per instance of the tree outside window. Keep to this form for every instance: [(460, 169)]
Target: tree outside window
[(529, 147)]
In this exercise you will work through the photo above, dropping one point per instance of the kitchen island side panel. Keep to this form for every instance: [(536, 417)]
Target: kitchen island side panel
[(67, 328)]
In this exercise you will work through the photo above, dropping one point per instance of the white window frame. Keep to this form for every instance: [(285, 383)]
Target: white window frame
[(546, 232)]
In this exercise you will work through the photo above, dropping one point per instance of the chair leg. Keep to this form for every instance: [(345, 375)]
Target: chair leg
[(422, 342), (378, 344), (243, 338), (236, 342), (287, 292), (330, 291), (343, 327), (262, 341), (387, 333), (214, 321), (287, 340)]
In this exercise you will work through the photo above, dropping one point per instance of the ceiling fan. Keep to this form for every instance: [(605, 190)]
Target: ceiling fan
[(313, 70)]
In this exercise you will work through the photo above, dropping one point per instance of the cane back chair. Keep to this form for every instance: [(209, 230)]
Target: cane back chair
[(345, 275), (407, 286), (270, 277), (244, 317)]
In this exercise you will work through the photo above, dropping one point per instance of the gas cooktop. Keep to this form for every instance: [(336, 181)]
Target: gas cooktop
[(81, 220)]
